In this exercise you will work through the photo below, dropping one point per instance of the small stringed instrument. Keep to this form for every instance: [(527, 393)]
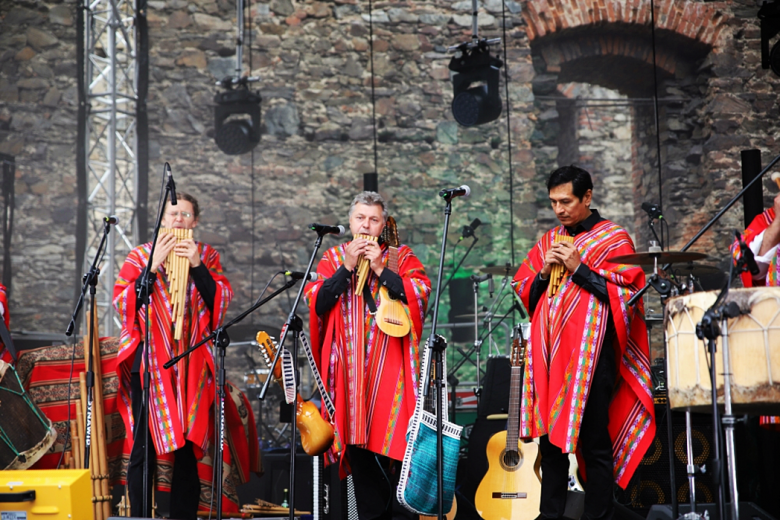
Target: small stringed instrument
[(391, 314), (316, 432), (512, 486)]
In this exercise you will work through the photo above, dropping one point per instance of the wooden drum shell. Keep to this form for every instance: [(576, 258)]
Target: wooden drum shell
[(754, 352)]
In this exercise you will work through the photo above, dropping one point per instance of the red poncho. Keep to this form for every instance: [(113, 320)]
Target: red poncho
[(5, 354), (758, 226), (567, 332), (371, 377), (181, 397)]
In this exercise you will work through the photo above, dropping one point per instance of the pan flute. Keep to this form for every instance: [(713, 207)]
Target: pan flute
[(363, 265), (558, 270), (178, 270)]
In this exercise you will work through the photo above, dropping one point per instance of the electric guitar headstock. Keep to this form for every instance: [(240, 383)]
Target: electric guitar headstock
[(268, 350)]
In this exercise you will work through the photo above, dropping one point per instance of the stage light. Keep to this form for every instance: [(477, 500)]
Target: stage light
[(769, 14), (237, 120), (476, 98)]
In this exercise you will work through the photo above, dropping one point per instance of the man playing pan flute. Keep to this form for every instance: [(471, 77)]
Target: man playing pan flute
[(370, 376), (587, 384), (763, 237), (180, 398)]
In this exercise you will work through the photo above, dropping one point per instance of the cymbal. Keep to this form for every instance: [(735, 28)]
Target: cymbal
[(499, 270), (664, 257)]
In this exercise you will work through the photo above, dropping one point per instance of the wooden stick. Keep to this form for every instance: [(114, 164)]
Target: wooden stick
[(100, 428), (75, 440), (80, 431)]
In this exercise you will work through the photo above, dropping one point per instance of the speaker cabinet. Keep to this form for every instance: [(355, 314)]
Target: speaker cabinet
[(651, 484)]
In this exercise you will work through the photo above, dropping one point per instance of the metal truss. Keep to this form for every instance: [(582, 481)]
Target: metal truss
[(111, 141)]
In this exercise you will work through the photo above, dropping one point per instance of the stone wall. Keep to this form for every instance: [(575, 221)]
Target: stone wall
[(313, 58)]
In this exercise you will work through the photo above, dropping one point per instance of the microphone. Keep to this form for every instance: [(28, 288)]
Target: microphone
[(451, 193), (322, 229), (747, 253), (112, 220), (297, 275), (491, 286), (468, 231), (171, 184), (652, 210)]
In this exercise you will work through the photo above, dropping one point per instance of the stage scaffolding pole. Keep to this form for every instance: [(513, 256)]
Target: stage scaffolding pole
[(109, 170)]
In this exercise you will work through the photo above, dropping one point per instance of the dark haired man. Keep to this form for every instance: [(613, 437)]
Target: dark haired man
[(180, 398), (586, 386)]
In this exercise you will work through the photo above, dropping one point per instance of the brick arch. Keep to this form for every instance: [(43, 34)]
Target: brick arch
[(689, 19)]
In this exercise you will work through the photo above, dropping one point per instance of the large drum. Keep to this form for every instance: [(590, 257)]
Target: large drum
[(754, 352), (25, 433)]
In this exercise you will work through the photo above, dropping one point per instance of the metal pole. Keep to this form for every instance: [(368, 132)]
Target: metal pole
[(108, 268), (728, 422)]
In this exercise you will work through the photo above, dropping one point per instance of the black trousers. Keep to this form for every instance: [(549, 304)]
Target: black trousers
[(185, 484), (375, 478), (596, 447)]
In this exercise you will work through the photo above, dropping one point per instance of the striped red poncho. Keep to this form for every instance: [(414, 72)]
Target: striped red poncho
[(5, 354), (567, 332), (181, 397), (371, 377), (756, 227)]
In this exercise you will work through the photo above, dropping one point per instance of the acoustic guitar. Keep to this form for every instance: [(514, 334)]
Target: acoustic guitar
[(512, 487), (316, 432), (391, 317)]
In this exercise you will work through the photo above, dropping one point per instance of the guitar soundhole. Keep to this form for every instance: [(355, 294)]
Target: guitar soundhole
[(510, 460)]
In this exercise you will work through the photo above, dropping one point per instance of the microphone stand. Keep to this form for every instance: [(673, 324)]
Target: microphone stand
[(709, 224), (452, 275), (710, 328), (145, 294), (90, 280), (222, 340), (438, 344), (295, 324)]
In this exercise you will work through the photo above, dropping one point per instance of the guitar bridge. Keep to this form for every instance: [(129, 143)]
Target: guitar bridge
[(502, 495)]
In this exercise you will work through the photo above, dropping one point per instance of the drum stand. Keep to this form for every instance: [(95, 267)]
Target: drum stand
[(714, 323)]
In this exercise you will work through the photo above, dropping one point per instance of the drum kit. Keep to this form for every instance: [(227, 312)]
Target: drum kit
[(741, 325)]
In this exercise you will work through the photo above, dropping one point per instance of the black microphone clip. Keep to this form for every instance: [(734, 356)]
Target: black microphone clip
[(747, 255), (468, 231), (652, 210), (171, 184)]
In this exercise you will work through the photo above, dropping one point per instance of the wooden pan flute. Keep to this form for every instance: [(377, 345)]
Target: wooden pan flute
[(178, 270), (558, 270), (363, 265)]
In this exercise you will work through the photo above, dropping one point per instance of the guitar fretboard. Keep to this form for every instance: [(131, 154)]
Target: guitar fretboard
[(513, 422)]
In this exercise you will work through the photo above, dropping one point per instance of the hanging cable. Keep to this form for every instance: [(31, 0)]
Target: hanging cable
[(373, 93), (655, 108), (251, 170), (508, 137)]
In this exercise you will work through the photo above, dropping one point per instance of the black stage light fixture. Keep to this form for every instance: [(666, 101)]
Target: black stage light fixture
[(237, 120), (476, 98), (769, 14)]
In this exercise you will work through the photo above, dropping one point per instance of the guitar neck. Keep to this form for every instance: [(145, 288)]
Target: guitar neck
[(392, 259), (513, 423)]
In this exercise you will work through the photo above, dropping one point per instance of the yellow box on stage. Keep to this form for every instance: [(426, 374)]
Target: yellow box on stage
[(51, 494)]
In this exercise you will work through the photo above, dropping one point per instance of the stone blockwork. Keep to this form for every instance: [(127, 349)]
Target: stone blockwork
[(313, 58)]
